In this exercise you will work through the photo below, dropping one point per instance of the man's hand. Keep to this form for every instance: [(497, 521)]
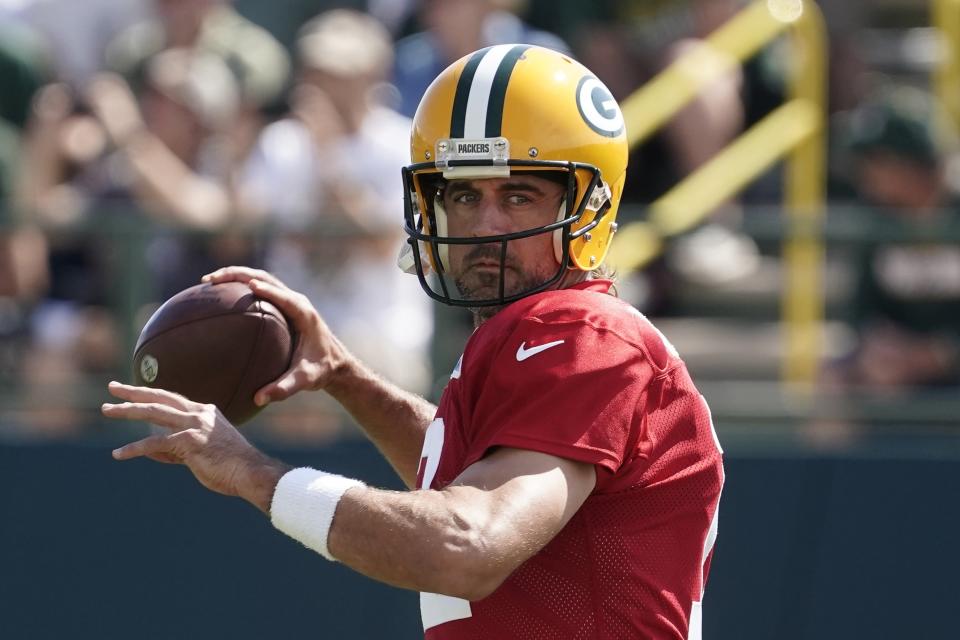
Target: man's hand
[(200, 438), (115, 106), (318, 354), (312, 106)]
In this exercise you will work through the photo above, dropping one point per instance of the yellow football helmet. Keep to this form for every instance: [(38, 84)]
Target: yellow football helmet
[(504, 109)]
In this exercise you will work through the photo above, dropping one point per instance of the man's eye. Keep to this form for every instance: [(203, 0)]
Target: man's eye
[(465, 197), (517, 199)]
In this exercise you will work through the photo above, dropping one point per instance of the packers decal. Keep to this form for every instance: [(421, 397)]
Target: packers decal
[(149, 368), (598, 108)]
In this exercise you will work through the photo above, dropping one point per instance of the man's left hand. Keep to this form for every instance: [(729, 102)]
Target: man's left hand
[(199, 437)]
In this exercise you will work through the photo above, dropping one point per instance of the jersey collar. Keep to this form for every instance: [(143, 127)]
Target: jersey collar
[(599, 285)]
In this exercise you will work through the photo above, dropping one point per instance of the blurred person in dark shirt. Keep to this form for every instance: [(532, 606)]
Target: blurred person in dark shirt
[(906, 309), (24, 67)]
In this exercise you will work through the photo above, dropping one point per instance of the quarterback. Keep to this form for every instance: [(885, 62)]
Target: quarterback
[(567, 485)]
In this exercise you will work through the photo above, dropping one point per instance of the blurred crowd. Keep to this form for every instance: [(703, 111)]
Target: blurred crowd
[(144, 143)]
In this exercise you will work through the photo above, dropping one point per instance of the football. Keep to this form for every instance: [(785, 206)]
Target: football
[(214, 343)]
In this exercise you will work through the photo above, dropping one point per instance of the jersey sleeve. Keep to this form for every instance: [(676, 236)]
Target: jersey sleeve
[(568, 389)]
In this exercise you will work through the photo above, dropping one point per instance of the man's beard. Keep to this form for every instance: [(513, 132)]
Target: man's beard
[(477, 284)]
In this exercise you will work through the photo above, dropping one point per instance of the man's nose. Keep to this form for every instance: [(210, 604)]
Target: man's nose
[(491, 220)]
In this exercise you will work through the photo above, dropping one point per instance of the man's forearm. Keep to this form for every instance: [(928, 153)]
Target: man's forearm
[(192, 200), (428, 541), (394, 419), (462, 541)]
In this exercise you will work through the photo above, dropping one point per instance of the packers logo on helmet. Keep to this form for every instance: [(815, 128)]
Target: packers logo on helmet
[(598, 107), (508, 109)]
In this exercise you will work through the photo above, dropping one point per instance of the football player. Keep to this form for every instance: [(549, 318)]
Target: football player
[(567, 485)]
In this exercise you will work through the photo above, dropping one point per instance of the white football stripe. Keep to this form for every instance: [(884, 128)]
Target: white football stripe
[(475, 122)]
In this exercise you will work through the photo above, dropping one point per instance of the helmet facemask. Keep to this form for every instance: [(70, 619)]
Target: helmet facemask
[(427, 251)]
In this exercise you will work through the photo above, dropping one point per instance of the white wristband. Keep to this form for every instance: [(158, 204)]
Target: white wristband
[(304, 503)]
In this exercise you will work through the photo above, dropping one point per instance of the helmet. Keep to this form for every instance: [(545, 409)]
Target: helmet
[(508, 109)]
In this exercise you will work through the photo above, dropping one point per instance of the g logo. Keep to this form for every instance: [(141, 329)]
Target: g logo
[(149, 368), (598, 108)]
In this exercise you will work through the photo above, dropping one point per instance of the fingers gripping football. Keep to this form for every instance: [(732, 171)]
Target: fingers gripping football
[(295, 306), (240, 274), (318, 353)]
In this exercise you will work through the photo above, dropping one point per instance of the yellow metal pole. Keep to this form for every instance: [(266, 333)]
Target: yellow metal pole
[(682, 208), (946, 75), (727, 173), (742, 36), (803, 306), (800, 123)]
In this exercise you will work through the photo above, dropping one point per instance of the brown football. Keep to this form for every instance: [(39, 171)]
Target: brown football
[(214, 344)]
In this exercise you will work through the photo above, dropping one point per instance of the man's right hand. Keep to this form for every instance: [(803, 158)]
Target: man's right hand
[(318, 355)]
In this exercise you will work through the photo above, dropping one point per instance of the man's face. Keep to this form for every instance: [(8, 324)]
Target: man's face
[(888, 180), (498, 206)]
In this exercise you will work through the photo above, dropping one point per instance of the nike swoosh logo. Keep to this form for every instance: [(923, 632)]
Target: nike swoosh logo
[(523, 354)]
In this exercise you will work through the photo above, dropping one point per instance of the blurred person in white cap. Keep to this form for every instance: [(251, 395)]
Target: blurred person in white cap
[(328, 173)]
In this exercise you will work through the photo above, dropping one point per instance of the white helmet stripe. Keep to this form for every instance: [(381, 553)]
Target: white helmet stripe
[(475, 124)]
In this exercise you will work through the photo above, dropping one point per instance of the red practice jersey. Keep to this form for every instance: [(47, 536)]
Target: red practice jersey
[(578, 373)]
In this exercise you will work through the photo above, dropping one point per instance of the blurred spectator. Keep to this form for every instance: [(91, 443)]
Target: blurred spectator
[(394, 14), (23, 260), (328, 177), (75, 33), (24, 68), (907, 306), (23, 250), (113, 163), (169, 150), (628, 43), (260, 65), (454, 28)]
